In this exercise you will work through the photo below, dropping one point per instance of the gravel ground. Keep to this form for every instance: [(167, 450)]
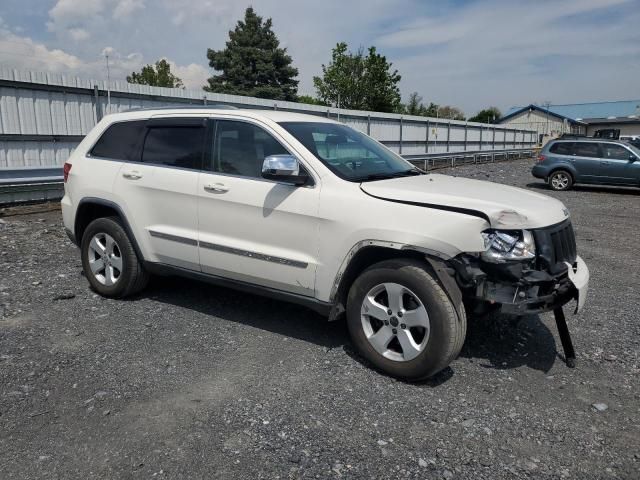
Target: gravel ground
[(193, 381)]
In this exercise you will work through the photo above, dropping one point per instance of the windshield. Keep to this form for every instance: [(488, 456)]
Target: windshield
[(348, 153), (635, 148)]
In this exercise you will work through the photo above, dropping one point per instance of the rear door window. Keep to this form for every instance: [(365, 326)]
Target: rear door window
[(562, 148), (120, 141), (615, 152), (584, 149), (174, 146)]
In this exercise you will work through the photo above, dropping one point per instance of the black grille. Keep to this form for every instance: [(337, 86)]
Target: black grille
[(555, 246)]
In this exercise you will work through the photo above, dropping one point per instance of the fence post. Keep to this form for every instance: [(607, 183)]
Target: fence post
[(96, 95), (368, 124), (480, 145), (400, 135), (204, 100), (493, 140), (426, 145), (466, 128), (448, 134)]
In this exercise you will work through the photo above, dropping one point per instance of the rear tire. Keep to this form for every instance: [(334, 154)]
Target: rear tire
[(560, 180), (404, 343), (109, 260)]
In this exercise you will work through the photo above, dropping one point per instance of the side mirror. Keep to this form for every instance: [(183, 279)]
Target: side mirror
[(284, 168), (632, 158)]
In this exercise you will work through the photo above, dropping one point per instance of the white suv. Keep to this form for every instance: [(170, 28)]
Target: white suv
[(312, 211)]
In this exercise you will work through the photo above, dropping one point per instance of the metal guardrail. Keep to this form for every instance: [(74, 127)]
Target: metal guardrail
[(30, 185), (431, 161)]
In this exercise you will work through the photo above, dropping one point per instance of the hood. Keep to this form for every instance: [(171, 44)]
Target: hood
[(502, 206)]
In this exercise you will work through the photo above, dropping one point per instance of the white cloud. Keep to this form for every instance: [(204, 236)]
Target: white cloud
[(125, 8), (192, 75), (505, 53), (23, 53), (78, 34), (67, 16), (68, 11), (26, 54), (468, 54)]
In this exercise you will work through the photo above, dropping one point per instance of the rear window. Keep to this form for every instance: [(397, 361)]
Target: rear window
[(583, 149), (121, 141), (174, 146), (562, 148)]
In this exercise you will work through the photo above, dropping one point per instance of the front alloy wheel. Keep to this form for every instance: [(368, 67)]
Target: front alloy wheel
[(395, 321), (403, 321)]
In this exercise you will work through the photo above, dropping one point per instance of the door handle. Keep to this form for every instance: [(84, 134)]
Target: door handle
[(216, 188), (132, 175)]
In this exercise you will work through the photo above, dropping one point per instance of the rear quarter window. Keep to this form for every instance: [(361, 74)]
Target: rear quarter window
[(562, 148), (120, 141)]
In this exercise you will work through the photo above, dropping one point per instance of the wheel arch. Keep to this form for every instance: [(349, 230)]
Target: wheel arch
[(565, 168), (369, 252), (91, 208)]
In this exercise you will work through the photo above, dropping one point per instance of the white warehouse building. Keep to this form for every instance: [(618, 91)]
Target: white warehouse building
[(621, 117)]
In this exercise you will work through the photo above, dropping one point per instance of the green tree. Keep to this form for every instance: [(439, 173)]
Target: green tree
[(451, 113), (253, 63), (432, 110), (158, 76), (308, 99), (359, 82), (487, 115), (415, 107)]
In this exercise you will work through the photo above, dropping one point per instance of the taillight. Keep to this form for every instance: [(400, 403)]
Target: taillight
[(541, 158), (65, 171)]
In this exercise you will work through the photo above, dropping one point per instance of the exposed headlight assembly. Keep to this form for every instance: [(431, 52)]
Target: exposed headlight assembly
[(508, 245)]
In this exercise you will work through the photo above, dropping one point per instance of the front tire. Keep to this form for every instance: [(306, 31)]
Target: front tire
[(402, 320), (560, 180), (109, 260)]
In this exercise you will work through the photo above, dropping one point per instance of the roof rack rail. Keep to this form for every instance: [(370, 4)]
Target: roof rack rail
[(210, 106)]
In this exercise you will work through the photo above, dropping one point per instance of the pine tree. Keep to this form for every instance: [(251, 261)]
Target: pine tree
[(253, 63)]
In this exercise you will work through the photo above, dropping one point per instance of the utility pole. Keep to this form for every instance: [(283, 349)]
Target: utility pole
[(106, 56), (547, 104)]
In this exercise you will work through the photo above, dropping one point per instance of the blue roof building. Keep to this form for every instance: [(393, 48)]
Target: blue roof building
[(582, 118)]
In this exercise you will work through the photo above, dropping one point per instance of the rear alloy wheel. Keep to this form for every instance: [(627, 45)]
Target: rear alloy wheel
[(402, 320), (105, 259), (560, 180), (109, 260)]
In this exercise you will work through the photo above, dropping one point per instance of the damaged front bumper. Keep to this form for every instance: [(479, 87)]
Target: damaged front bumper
[(520, 289)]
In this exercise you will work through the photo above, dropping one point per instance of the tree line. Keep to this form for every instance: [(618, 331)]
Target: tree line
[(253, 64)]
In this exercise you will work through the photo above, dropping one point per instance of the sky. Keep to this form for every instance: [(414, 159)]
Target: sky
[(469, 54)]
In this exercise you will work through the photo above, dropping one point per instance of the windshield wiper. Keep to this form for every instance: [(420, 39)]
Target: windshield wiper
[(386, 175)]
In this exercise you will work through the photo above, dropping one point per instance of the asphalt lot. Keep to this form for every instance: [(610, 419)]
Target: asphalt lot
[(194, 381)]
